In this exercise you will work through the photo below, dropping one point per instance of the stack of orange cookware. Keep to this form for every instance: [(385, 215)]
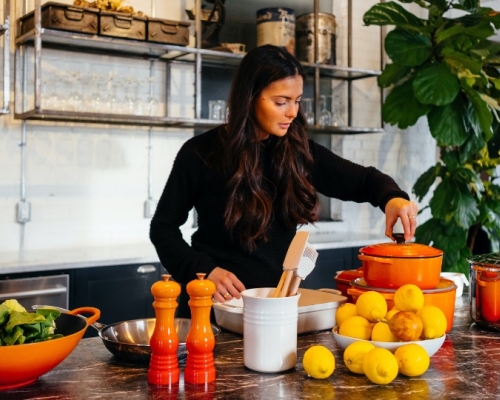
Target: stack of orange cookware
[(388, 266)]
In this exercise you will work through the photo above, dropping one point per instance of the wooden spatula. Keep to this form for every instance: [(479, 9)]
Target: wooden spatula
[(300, 254)]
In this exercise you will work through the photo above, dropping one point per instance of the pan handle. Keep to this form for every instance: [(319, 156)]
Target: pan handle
[(96, 313)]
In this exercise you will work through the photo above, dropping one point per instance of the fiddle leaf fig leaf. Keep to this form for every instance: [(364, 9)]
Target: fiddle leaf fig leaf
[(408, 48), (425, 181), (459, 61), (435, 84), (461, 207), (401, 108), (451, 159), (444, 237), (469, 5), (392, 74), (446, 123), (441, 4), (391, 13), (481, 111)]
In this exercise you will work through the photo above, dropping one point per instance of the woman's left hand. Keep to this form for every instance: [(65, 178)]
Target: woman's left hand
[(406, 211)]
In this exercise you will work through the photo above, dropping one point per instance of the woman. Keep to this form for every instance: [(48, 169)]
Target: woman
[(254, 180)]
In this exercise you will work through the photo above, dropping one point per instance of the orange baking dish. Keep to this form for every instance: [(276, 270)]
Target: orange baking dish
[(443, 296), (391, 265)]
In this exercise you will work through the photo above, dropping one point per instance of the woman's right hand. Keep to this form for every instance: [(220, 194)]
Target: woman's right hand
[(226, 283)]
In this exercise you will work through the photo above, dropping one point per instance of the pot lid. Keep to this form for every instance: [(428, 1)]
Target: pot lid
[(491, 259), (409, 250)]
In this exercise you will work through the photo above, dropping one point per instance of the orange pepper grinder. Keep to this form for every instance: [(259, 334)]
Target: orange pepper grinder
[(164, 343), (200, 341)]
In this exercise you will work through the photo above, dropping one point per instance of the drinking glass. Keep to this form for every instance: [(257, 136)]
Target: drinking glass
[(336, 107), (325, 116), (308, 110)]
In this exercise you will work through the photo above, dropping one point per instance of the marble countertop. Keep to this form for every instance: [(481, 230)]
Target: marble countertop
[(466, 366), (130, 253)]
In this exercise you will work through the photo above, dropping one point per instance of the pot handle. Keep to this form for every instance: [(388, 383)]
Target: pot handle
[(96, 313), (381, 260)]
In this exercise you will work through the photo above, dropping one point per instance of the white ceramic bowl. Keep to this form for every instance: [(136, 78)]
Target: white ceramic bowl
[(430, 345), (459, 279)]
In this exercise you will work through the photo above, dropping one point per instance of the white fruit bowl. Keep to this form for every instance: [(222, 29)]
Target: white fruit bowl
[(430, 345)]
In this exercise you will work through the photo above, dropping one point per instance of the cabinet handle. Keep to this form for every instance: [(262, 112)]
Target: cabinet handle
[(146, 269), (29, 293)]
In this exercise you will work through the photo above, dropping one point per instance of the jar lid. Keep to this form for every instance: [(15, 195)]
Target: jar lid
[(491, 259), (407, 250)]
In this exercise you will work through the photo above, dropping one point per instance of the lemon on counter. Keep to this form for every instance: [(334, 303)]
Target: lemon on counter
[(380, 366), (372, 306), (412, 359), (318, 362), (434, 322), (356, 327), (353, 355), (345, 311), (409, 298)]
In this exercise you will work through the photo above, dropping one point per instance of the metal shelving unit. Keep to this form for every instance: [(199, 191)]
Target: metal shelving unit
[(196, 56), (5, 33)]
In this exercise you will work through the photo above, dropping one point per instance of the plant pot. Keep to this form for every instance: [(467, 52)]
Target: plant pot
[(392, 265)]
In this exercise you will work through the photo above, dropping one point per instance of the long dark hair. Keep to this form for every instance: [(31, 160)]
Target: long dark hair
[(249, 210)]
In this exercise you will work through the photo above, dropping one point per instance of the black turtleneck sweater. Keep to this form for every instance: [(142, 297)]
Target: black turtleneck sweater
[(193, 182)]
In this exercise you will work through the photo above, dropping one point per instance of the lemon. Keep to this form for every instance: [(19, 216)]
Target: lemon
[(382, 333), (354, 353), (371, 305), (318, 362), (345, 311), (356, 327), (413, 359), (380, 366), (409, 298), (433, 320), (391, 313), (406, 325)]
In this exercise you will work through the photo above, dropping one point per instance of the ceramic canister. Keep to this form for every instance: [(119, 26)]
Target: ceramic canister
[(276, 25), (305, 34), (269, 330)]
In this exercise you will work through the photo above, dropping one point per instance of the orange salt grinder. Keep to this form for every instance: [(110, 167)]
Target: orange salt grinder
[(200, 341), (164, 343)]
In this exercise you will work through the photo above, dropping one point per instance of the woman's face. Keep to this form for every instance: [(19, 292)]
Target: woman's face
[(277, 106)]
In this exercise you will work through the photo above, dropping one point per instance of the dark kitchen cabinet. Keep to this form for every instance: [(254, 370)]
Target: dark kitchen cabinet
[(121, 292), (329, 262)]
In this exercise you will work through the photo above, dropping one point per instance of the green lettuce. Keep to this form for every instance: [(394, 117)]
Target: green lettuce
[(18, 326)]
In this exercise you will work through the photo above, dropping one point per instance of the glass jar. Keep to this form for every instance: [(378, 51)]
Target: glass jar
[(484, 293)]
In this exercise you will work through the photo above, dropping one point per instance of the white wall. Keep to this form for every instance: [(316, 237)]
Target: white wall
[(87, 184)]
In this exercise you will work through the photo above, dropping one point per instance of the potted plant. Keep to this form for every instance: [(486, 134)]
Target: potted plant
[(445, 68)]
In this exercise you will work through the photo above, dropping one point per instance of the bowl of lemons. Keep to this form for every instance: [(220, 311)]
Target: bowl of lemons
[(410, 321), (431, 346)]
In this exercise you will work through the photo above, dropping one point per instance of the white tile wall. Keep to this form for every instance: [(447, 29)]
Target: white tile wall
[(87, 184)]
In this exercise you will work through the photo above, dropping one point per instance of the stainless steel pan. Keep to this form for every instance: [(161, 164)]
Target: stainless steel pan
[(129, 340)]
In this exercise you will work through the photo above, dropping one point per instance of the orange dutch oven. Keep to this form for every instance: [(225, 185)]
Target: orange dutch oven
[(391, 265), (443, 296), (22, 364)]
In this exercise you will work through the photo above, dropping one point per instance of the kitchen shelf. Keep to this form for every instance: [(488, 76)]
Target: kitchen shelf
[(118, 119), (199, 58), (63, 40)]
